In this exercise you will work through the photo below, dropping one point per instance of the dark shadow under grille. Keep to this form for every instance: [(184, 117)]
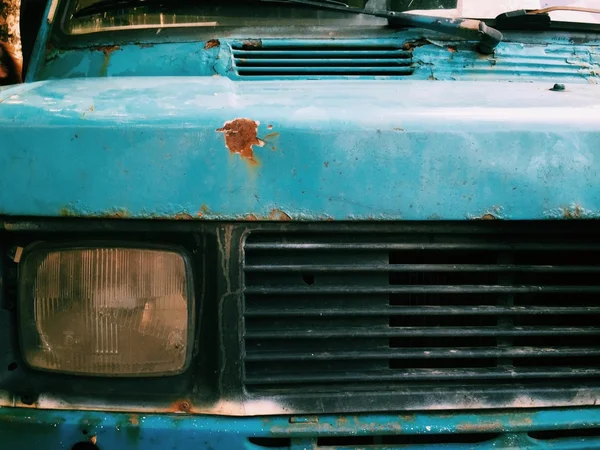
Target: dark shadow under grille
[(517, 304)]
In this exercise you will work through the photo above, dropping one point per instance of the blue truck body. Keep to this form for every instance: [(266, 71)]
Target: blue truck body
[(138, 134)]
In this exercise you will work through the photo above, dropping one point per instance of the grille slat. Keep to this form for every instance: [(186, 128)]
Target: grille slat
[(386, 268), (419, 311), (426, 289), (491, 303), (320, 59), (352, 247), (411, 353), (421, 375), (440, 332)]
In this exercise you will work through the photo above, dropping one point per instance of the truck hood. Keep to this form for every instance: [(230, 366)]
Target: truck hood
[(212, 148)]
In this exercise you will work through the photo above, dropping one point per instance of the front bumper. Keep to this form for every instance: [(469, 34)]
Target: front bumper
[(571, 428)]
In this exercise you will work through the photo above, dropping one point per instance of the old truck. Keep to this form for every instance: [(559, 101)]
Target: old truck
[(302, 225)]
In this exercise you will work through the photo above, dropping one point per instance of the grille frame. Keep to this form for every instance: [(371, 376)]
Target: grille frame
[(421, 395), (214, 384)]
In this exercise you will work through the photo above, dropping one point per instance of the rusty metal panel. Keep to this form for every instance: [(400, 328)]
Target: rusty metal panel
[(318, 150), (537, 429)]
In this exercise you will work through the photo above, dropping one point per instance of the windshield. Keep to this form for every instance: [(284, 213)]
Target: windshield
[(255, 13)]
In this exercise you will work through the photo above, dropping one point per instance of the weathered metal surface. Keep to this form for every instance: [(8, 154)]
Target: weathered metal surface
[(23, 428), (361, 150), (551, 60)]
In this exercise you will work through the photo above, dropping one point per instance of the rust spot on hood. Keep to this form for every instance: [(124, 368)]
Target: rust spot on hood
[(134, 420), (240, 137), (212, 44)]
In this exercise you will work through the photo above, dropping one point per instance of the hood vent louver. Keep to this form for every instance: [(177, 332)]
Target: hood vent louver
[(316, 59)]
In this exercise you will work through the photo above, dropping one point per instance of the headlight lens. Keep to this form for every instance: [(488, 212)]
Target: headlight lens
[(105, 311)]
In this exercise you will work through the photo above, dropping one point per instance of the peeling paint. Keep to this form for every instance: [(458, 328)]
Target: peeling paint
[(183, 216), (116, 213), (252, 44), (241, 136), (575, 211), (277, 214), (212, 44)]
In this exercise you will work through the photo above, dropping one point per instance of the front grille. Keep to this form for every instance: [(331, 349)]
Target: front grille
[(484, 305), (322, 58)]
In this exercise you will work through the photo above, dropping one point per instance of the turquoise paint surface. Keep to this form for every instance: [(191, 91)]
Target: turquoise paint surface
[(343, 149), (29, 428)]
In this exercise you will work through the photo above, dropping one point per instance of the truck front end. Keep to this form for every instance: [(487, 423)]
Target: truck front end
[(256, 225)]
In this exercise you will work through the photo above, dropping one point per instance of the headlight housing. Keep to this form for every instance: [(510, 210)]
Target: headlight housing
[(106, 311)]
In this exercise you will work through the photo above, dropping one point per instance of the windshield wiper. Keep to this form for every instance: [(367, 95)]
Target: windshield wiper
[(488, 37)]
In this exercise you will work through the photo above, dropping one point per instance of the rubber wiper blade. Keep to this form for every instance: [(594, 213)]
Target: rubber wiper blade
[(488, 37)]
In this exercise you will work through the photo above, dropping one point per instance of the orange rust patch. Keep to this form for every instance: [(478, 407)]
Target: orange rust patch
[(107, 49), (280, 215), (488, 216), (203, 210), (240, 137), (451, 49), (212, 44), (251, 217), (411, 45), (134, 420), (183, 216), (180, 406)]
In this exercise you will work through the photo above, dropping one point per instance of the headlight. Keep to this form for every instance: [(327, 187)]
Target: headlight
[(105, 311)]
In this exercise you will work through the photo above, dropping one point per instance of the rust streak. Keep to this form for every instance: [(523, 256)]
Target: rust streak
[(212, 44), (240, 137), (107, 50)]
